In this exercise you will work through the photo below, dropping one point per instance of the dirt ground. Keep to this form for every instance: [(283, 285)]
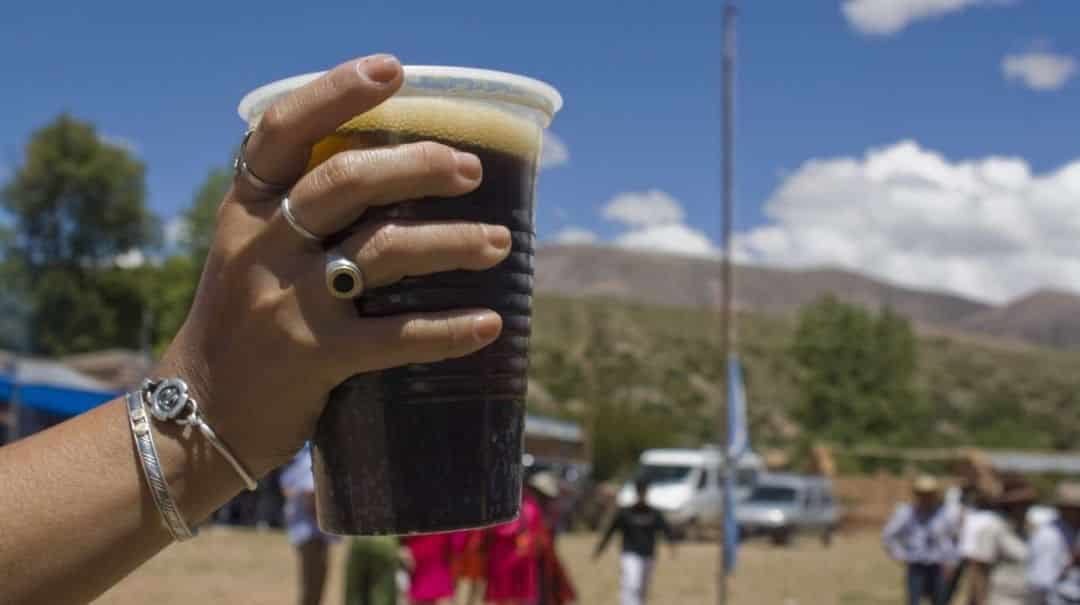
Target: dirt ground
[(241, 567)]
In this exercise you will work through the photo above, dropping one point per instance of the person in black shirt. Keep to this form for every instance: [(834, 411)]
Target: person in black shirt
[(639, 524)]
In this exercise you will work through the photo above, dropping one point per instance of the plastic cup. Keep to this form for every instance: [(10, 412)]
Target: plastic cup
[(438, 447)]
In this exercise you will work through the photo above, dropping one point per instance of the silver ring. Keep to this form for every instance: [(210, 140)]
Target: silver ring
[(242, 170), (344, 279), (296, 226)]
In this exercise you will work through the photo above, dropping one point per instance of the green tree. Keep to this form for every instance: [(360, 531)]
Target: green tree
[(69, 316), (201, 218), (856, 375), (175, 281), (170, 297), (16, 305), (77, 202)]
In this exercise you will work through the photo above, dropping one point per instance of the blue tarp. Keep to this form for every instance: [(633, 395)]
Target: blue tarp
[(6, 387), (52, 387)]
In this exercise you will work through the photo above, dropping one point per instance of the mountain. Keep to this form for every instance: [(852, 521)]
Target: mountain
[(687, 281), (1048, 317), (1045, 318), (654, 374)]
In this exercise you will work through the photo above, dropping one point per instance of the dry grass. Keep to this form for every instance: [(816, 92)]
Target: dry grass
[(230, 566)]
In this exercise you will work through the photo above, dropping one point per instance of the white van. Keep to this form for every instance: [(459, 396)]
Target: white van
[(684, 484)]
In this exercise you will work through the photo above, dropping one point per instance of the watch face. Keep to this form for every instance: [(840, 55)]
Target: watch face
[(168, 399)]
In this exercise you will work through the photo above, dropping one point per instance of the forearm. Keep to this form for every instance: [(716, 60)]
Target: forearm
[(76, 514)]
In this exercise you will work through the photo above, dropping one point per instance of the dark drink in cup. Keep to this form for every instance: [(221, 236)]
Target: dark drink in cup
[(438, 447)]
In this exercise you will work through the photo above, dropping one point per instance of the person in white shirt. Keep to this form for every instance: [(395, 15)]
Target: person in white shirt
[(969, 515), (997, 551), (922, 536), (302, 529), (1054, 548)]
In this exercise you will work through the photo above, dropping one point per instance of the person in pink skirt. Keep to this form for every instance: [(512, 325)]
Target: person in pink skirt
[(431, 582), (513, 564)]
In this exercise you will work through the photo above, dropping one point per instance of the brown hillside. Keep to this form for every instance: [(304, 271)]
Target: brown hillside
[(687, 281), (1049, 317)]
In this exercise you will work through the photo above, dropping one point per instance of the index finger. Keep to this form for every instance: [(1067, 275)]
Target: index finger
[(278, 150)]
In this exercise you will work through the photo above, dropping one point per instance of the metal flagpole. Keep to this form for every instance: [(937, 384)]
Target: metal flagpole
[(726, 320)]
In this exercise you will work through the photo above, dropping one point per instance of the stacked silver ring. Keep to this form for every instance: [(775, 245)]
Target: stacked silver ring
[(343, 277), (241, 170)]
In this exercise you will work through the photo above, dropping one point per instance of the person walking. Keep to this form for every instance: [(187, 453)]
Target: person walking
[(1054, 551), (639, 525), (312, 545), (922, 536)]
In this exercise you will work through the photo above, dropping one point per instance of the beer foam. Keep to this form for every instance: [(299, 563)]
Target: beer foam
[(461, 122)]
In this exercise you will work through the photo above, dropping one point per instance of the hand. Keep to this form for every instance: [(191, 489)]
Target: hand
[(265, 342)]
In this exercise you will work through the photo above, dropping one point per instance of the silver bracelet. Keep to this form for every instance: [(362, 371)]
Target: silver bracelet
[(168, 400), (151, 465)]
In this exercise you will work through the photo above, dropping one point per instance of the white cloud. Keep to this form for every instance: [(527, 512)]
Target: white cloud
[(575, 235), (650, 220), (131, 259), (122, 142), (644, 209), (885, 17), (988, 227), (554, 152), (672, 238), (176, 232), (1038, 70)]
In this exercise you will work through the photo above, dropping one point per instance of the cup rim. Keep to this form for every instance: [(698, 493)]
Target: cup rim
[(498, 85)]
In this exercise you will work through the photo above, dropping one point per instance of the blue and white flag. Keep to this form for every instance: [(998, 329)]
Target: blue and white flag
[(737, 445), (738, 432)]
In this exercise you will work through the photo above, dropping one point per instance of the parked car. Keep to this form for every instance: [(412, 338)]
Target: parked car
[(783, 505), (685, 485)]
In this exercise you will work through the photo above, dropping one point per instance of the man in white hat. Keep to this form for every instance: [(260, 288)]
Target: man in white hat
[(922, 536), (1053, 547)]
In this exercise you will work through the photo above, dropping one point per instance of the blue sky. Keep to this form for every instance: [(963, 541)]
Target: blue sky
[(924, 142)]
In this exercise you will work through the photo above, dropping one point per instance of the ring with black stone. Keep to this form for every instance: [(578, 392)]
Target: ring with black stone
[(343, 278)]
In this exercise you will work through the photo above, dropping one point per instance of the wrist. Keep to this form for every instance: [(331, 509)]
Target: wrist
[(200, 477), (184, 361)]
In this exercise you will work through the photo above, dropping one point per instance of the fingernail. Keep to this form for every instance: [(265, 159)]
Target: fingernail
[(468, 165), (486, 327), (497, 236), (382, 68)]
